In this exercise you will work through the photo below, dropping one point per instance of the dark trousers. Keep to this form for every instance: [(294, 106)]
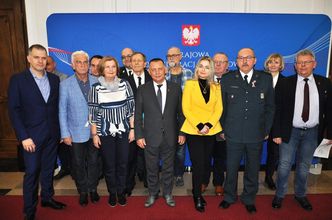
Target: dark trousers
[(153, 154), (114, 152), (65, 156), (39, 166), (272, 158), (180, 153), (132, 166), (219, 162), (85, 166), (200, 149), (141, 167), (218, 166), (252, 155)]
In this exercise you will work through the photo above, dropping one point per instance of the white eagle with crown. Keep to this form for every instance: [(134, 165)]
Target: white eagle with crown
[(190, 35)]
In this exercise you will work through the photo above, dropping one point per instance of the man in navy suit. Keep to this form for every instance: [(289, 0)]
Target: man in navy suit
[(303, 112), (33, 97)]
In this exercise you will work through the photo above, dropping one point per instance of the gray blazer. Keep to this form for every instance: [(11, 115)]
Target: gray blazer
[(248, 109), (150, 123)]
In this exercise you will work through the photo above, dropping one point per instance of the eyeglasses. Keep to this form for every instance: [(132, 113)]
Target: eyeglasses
[(172, 55), (221, 62), (304, 62), (248, 58), (126, 57)]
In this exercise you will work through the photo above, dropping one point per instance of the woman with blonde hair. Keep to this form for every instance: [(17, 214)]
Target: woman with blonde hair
[(202, 108), (274, 64)]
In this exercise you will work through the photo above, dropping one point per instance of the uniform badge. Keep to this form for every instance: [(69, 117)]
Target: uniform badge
[(253, 84), (262, 95)]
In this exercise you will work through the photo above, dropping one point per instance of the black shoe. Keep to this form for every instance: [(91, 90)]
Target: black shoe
[(251, 209), (83, 201), (29, 217), (304, 202), (199, 204), (94, 197), (53, 204), (122, 199), (62, 173), (224, 204), (276, 202), (112, 200), (270, 183), (203, 201)]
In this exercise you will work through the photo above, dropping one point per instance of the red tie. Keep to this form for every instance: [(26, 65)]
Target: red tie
[(305, 110)]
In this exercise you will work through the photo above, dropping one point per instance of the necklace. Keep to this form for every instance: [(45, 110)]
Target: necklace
[(204, 88)]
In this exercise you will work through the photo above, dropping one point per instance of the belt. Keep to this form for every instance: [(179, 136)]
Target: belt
[(306, 128)]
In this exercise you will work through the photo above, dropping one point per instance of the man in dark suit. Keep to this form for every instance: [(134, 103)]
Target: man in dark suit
[(303, 111), (248, 101), (136, 160), (33, 97), (125, 70), (157, 132)]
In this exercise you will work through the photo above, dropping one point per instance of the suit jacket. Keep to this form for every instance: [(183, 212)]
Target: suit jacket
[(285, 101), (123, 74), (150, 122), (248, 108), (73, 110), (30, 115), (278, 82), (132, 83), (197, 111)]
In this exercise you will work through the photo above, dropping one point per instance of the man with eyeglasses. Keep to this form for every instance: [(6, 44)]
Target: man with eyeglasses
[(303, 112), (248, 103), (136, 161), (75, 129), (125, 70), (176, 73), (220, 60)]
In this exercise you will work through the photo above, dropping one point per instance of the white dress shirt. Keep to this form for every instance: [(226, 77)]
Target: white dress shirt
[(163, 90), (249, 75), (313, 103), (136, 78)]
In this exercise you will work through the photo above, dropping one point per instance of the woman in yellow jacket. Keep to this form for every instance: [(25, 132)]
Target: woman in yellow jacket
[(202, 107)]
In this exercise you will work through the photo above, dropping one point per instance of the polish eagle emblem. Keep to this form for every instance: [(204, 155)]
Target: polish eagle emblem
[(190, 35)]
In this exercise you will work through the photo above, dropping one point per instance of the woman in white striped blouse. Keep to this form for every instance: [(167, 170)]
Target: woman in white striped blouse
[(111, 109)]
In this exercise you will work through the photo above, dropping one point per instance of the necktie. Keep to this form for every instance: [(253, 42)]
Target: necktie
[(246, 79), (305, 110), (160, 98), (218, 79), (139, 81)]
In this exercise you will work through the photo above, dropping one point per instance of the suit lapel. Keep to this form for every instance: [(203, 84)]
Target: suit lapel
[(34, 87), (153, 91), (292, 88)]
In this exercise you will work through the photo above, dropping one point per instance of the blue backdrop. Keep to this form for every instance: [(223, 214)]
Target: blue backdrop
[(154, 33)]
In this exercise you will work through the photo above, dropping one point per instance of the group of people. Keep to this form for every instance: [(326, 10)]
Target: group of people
[(139, 121)]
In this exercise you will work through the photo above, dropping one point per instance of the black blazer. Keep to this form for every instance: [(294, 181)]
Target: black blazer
[(123, 74), (150, 122), (30, 115), (132, 83), (285, 102)]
